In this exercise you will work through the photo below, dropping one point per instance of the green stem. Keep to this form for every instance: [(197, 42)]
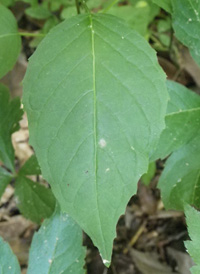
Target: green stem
[(31, 34), (109, 6), (85, 6), (78, 6)]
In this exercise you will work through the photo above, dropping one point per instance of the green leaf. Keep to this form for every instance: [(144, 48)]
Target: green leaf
[(10, 115), (38, 12), (7, 3), (10, 42), (164, 4), (186, 23), (5, 178), (68, 12), (8, 261), (193, 246), (31, 167), (182, 120), (96, 101), (147, 177), (180, 180), (138, 15), (35, 201), (57, 247)]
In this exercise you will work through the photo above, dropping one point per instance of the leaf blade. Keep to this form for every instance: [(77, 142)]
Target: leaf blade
[(10, 42), (8, 261)]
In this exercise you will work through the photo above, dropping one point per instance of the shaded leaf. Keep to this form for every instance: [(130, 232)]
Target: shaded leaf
[(193, 223), (5, 178), (10, 42), (57, 247), (8, 261), (138, 15), (38, 12), (164, 4), (186, 23), (31, 167), (10, 115), (35, 201), (95, 112)]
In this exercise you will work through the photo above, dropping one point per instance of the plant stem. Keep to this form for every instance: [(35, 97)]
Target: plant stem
[(31, 34), (110, 6), (78, 6), (85, 6)]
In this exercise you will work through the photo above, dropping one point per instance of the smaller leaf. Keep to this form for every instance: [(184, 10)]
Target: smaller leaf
[(57, 247), (5, 178), (182, 120), (10, 115), (31, 167), (35, 201), (38, 12), (164, 4), (8, 261), (147, 177), (7, 3), (186, 23), (180, 180), (10, 42), (193, 246)]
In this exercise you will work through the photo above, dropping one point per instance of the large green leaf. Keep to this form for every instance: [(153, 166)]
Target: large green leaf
[(193, 246), (182, 120), (35, 201), (8, 261), (5, 178), (10, 114), (57, 247), (186, 23), (96, 100), (10, 42)]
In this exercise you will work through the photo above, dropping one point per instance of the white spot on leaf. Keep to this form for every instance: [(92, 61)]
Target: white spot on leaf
[(102, 143)]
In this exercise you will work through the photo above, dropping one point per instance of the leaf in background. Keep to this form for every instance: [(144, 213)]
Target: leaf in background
[(95, 112), (38, 12), (10, 41), (138, 15), (147, 177), (8, 261), (164, 4), (182, 120), (5, 178), (10, 115), (186, 23), (7, 3), (34, 201), (31, 167), (193, 224), (57, 247), (180, 180)]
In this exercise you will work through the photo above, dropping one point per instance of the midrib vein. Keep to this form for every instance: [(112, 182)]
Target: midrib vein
[(95, 120)]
